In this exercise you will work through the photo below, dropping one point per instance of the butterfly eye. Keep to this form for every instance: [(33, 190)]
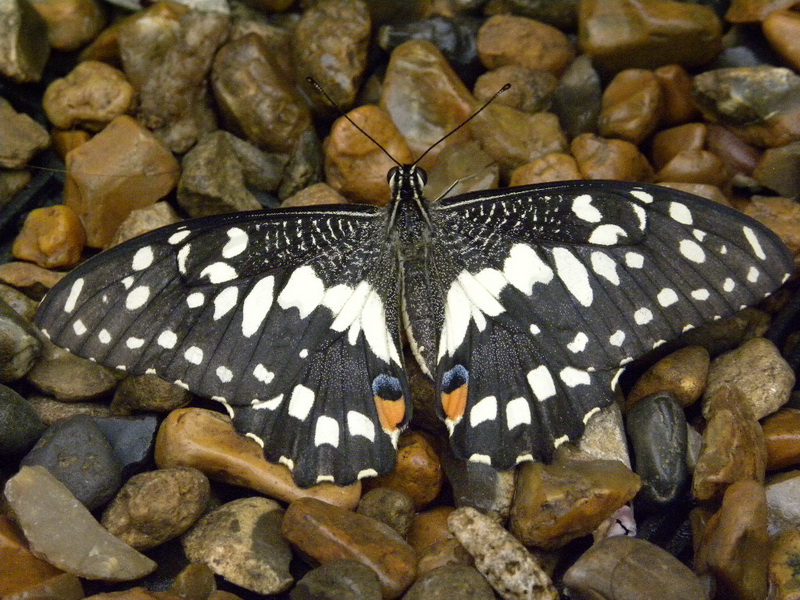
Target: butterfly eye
[(392, 174)]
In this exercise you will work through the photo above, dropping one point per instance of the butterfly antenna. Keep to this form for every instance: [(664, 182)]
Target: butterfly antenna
[(505, 88), (311, 81)]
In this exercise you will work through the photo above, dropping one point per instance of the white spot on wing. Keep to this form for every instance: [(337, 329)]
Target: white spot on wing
[(300, 402), (224, 374), (579, 343), (583, 209), (750, 236), (270, 404), (634, 260), (728, 284), (574, 275), (484, 410), (518, 412), (700, 294), (303, 291), (256, 305), (617, 338), (605, 266), (142, 259), (643, 316), (195, 300), (752, 275), (137, 297), (667, 297), (218, 272), (104, 336), (177, 238), (523, 268), (642, 195), (483, 459), (194, 355), (326, 432), (74, 292), (573, 377), (541, 382), (607, 234), (237, 242), (360, 424), (78, 327), (680, 213), (167, 339), (262, 374), (692, 251), (225, 301), (133, 343)]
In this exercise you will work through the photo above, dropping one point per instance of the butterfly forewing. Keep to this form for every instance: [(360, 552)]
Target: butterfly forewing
[(292, 315), (548, 291)]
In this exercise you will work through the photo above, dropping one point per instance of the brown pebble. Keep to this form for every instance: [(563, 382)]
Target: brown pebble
[(782, 436), (676, 87), (531, 89), (418, 471), (600, 158), (20, 570), (777, 170), (207, 441), (738, 155), (71, 23), (468, 166), (50, 410), (632, 106), (388, 506), (326, 533), (735, 544), (511, 40), (781, 215), (556, 166), (754, 11), (429, 527), (682, 373), (21, 138), (709, 192), (195, 582), (446, 552), (559, 502), (733, 447), (52, 237), (782, 30), (354, 166), (122, 168), (12, 182), (22, 54), (65, 140), (144, 220), (784, 578), (30, 278), (69, 378), (318, 194), (667, 143), (148, 393), (695, 166)]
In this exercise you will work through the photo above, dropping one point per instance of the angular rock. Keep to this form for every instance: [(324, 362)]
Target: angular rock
[(531, 89), (556, 166), (633, 105), (132, 439), (304, 167), (784, 580), (207, 441), (505, 563), (783, 511), (21, 138), (450, 581), (782, 437), (577, 100), (667, 143), (462, 168), (338, 580), (440, 554), (71, 23), (676, 86), (22, 53), (20, 426), (20, 570), (600, 158), (782, 29), (695, 166), (779, 214), (21, 304), (52, 237), (480, 486), (326, 533), (78, 455), (626, 568), (392, 507), (50, 410), (777, 170), (19, 345), (738, 155), (143, 220), (604, 436), (241, 541), (60, 529), (318, 194), (148, 393), (682, 373)]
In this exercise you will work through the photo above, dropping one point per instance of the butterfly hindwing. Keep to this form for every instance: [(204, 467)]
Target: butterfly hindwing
[(546, 292), (290, 314)]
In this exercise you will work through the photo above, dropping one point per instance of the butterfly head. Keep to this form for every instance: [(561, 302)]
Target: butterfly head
[(406, 179)]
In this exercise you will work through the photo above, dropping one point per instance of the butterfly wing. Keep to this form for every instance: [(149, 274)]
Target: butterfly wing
[(289, 318), (540, 295)]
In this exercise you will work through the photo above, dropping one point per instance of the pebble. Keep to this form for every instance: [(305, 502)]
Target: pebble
[(709, 192), (330, 43), (417, 472), (658, 432), (780, 215), (354, 166), (676, 87), (50, 410), (21, 138), (531, 89), (325, 533), (71, 379), (77, 454), (577, 99), (668, 143), (784, 580), (19, 345), (141, 170), (450, 581), (148, 393), (627, 568), (729, 333), (505, 563), (635, 34), (732, 448), (62, 531), (783, 510), (392, 507), (64, 140), (511, 40), (21, 59), (748, 11), (760, 373), (604, 436), (144, 220), (12, 182), (632, 106), (480, 486), (207, 441), (429, 527), (556, 166), (20, 426), (468, 166), (157, 506), (735, 544), (338, 580), (241, 542), (782, 29), (30, 279), (21, 304), (739, 156), (304, 167), (695, 166), (195, 582), (782, 437), (682, 373), (318, 194), (556, 503), (446, 552), (250, 88), (20, 569), (776, 170), (132, 439), (601, 158), (52, 237), (71, 23), (91, 96), (174, 99)]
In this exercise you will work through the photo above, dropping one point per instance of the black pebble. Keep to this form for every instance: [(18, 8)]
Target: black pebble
[(20, 426)]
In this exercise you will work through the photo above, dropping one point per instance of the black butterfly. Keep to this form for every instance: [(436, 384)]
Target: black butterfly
[(523, 304)]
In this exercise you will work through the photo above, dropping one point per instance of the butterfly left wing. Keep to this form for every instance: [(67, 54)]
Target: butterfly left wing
[(289, 318), (540, 296)]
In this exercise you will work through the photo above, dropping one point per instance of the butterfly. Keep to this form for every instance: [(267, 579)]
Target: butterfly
[(523, 304)]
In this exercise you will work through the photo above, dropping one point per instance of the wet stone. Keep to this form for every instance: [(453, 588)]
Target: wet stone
[(782, 436), (338, 580), (77, 454), (626, 568), (676, 87), (738, 155), (241, 541), (450, 581), (19, 345), (531, 89), (318, 194), (148, 393), (60, 529), (783, 511), (682, 373), (782, 30), (52, 237), (92, 95), (632, 106), (480, 486), (780, 215), (143, 220), (669, 142), (71, 23), (154, 507), (20, 426), (195, 582), (12, 182), (658, 432), (326, 533), (21, 138), (22, 53), (132, 439), (695, 166), (71, 379), (601, 158), (578, 98), (468, 166), (503, 561), (392, 507)]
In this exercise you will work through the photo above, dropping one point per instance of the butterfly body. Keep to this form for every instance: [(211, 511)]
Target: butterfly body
[(524, 305)]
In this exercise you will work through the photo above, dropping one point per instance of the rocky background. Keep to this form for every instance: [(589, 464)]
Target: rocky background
[(127, 487)]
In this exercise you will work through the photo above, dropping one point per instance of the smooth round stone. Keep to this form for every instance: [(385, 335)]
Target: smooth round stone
[(314, 195), (726, 334), (148, 393), (505, 563), (389, 506), (782, 30), (601, 158), (667, 143), (77, 454), (780, 215), (577, 99), (241, 541), (22, 55), (480, 486), (19, 345), (30, 279), (782, 436), (657, 429), (19, 302), (326, 533), (556, 166), (676, 86), (531, 89), (338, 580), (626, 568), (633, 105), (132, 438), (60, 529), (52, 237), (450, 581), (776, 170), (446, 552), (429, 527), (50, 410), (20, 570), (461, 168), (70, 378), (738, 155), (695, 166), (20, 426)]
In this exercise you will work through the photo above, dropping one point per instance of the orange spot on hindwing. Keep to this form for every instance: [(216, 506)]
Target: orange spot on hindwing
[(455, 391), (389, 401)]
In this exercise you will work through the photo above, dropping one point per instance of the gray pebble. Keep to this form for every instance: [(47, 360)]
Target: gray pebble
[(19, 345), (449, 582), (389, 506), (338, 580), (20, 426)]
